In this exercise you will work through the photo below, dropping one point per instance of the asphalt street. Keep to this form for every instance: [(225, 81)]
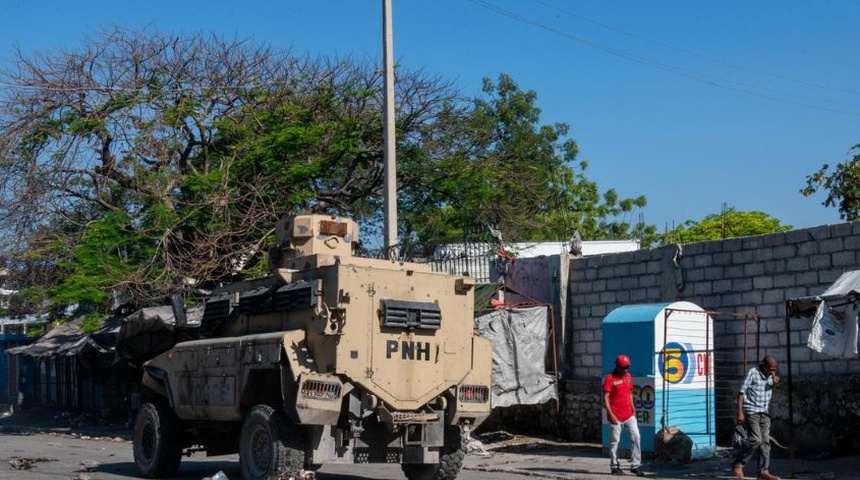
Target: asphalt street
[(44, 445)]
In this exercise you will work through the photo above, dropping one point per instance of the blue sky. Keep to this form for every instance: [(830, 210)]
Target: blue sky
[(692, 104)]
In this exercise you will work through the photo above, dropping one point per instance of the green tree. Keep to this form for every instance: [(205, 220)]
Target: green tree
[(842, 185), (139, 164), (490, 160), (727, 224)]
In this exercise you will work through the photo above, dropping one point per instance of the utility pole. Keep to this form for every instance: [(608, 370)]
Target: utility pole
[(390, 158)]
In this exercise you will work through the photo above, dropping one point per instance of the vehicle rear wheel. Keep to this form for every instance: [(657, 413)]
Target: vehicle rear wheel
[(450, 460), (156, 441), (270, 446)]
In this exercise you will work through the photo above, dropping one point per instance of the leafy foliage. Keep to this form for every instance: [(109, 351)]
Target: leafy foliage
[(91, 322), (143, 163), (492, 161), (105, 258), (842, 185), (727, 224), (140, 165), (36, 331)]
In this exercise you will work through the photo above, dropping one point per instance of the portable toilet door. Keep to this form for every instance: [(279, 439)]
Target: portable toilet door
[(670, 346)]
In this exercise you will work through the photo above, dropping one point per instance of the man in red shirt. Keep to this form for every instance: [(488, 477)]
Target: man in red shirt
[(618, 401)]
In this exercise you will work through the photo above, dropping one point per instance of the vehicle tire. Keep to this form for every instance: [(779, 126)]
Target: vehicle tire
[(450, 460), (270, 446), (156, 442)]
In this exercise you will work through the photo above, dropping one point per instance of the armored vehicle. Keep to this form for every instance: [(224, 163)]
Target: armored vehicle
[(331, 359)]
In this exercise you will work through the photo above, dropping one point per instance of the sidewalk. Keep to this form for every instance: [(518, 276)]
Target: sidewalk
[(498, 452), (565, 461)]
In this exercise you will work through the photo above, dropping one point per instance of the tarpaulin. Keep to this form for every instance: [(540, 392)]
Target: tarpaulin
[(150, 331), (834, 329), (519, 338)]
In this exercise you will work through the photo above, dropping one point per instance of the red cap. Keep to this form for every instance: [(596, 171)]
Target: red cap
[(622, 361)]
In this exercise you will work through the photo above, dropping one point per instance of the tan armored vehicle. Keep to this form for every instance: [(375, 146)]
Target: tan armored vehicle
[(332, 359)]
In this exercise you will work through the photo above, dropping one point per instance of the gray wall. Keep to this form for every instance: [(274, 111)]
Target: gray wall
[(753, 275), (748, 275)]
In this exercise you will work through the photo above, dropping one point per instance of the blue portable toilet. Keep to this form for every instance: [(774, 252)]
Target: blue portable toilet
[(671, 350)]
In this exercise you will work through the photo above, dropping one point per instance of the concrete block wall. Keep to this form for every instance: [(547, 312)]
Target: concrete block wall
[(754, 275), (748, 275)]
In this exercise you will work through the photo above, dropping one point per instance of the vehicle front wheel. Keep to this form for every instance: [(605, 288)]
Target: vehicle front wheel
[(270, 446), (450, 460), (156, 442)]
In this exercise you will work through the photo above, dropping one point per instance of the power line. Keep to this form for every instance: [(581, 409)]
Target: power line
[(693, 53), (694, 75), (765, 92)]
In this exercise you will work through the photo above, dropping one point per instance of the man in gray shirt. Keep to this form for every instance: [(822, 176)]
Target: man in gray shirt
[(753, 401)]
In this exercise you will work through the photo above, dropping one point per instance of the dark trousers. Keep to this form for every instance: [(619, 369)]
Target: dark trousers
[(758, 426)]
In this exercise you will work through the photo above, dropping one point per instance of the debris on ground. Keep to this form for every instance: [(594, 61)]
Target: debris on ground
[(88, 465), (475, 447), (26, 463), (496, 437), (506, 442), (302, 475)]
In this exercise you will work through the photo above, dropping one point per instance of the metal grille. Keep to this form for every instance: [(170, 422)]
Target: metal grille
[(294, 295), (411, 315), (217, 307), (473, 393), (318, 390), (217, 310), (257, 300)]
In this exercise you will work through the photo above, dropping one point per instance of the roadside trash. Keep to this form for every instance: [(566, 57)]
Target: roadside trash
[(27, 463), (475, 447), (21, 463), (89, 465), (673, 445)]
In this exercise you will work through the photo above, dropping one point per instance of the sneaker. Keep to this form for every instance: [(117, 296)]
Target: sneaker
[(617, 471), (767, 476), (738, 470), (637, 471)]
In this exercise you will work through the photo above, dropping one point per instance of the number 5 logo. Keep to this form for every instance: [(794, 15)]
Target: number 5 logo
[(674, 363)]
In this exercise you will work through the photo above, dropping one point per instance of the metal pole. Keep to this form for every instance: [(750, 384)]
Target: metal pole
[(665, 420), (390, 209), (788, 307), (709, 378)]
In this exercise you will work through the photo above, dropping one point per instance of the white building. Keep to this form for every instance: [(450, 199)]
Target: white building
[(478, 259)]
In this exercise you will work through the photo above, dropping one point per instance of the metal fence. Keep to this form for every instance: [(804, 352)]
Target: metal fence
[(722, 366), (473, 255)]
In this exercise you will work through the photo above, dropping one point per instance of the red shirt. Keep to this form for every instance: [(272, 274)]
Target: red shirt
[(619, 389)]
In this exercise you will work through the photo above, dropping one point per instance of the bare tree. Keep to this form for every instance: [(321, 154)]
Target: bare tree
[(144, 162)]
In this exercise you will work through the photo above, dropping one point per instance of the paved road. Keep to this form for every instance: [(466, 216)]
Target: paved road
[(63, 456), (52, 449), (53, 456)]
